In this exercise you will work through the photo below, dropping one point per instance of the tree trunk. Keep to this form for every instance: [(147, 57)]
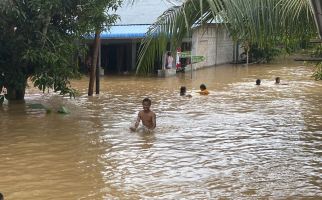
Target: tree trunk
[(97, 80), (16, 94), (98, 70), (92, 73)]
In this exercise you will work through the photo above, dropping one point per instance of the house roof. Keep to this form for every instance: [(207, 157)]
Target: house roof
[(135, 19), (126, 31)]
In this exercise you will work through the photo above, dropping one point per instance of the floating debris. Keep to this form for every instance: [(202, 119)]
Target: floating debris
[(63, 110)]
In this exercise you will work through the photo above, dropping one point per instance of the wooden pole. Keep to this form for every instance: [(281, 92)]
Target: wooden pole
[(98, 72), (92, 73)]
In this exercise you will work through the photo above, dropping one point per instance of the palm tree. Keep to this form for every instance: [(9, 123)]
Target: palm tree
[(262, 22)]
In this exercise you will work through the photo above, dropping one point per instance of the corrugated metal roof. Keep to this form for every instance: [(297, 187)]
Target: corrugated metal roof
[(125, 32)]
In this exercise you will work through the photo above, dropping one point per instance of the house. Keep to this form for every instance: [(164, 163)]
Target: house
[(213, 41), (119, 45)]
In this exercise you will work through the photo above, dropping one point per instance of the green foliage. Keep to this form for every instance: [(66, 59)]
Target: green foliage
[(171, 27), (316, 52), (266, 23), (63, 110), (318, 71), (263, 54), (40, 40)]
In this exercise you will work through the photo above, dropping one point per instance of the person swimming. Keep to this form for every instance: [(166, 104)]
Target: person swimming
[(258, 82), (203, 90), (278, 81), (183, 91)]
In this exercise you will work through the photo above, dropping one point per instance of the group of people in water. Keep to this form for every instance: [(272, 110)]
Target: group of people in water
[(203, 91), (277, 81), (148, 117)]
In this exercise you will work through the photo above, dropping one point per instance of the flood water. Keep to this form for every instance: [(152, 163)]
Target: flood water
[(241, 142)]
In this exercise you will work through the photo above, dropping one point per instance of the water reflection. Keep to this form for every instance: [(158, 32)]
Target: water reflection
[(240, 142)]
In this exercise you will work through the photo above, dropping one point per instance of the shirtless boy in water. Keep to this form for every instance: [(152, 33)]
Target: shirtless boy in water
[(147, 116), (203, 90)]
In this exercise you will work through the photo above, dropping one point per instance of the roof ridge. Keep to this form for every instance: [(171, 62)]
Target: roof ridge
[(131, 25)]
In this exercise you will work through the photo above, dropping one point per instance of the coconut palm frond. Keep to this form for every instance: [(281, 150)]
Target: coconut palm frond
[(293, 9), (155, 42), (172, 26), (250, 20), (297, 18), (265, 23)]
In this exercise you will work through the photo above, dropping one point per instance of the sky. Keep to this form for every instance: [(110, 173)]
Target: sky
[(144, 11)]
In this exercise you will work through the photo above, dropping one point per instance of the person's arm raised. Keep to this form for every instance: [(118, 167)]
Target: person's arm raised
[(137, 123)]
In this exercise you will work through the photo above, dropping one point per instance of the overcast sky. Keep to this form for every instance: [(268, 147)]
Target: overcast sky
[(144, 11)]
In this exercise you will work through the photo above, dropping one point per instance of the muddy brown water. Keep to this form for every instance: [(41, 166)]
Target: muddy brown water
[(240, 142)]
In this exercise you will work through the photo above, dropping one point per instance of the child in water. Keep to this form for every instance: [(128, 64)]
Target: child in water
[(183, 91), (203, 90), (147, 117), (277, 80), (258, 82)]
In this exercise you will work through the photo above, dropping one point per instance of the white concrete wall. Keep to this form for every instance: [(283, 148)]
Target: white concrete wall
[(213, 42)]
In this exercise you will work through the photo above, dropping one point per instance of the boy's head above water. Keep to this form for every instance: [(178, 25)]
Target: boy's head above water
[(203, 87), (183, 90), (146, 103)]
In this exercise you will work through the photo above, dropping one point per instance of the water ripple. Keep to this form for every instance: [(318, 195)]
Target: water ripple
[(240, 142)]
